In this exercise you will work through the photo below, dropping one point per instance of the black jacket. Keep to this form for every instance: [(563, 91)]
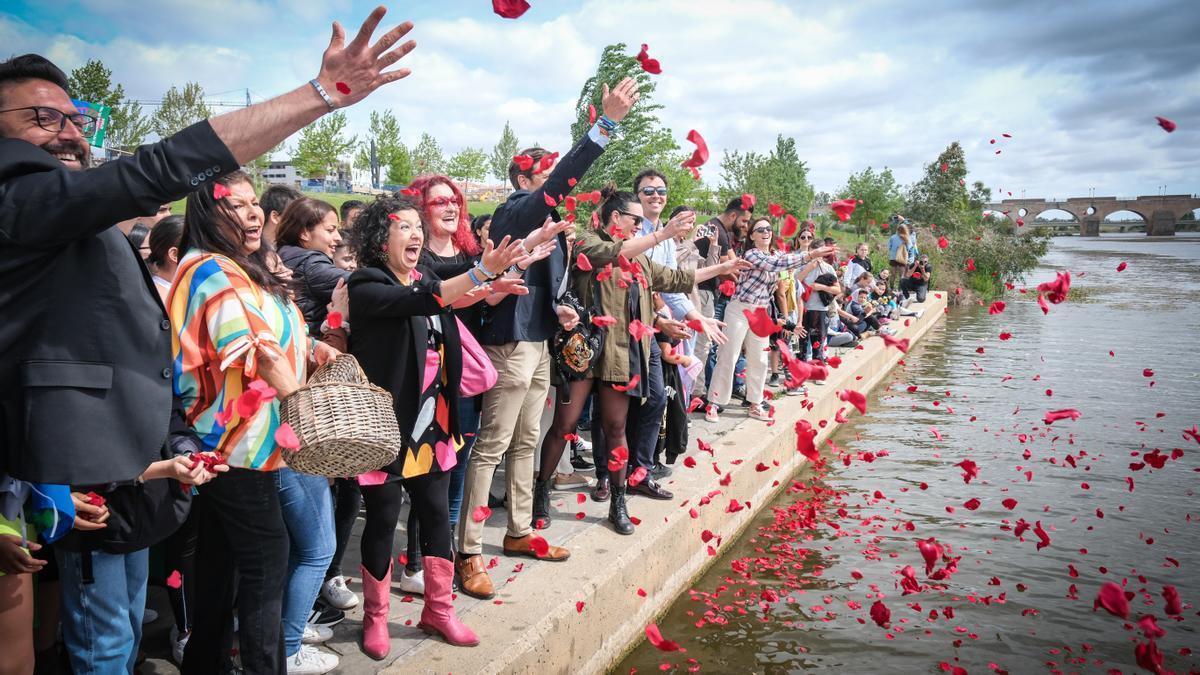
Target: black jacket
[(85, 344), (390, 337), (531, 318), (315, 277)]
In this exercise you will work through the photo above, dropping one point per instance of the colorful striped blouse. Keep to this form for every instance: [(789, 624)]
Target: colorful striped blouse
[(219, 315)]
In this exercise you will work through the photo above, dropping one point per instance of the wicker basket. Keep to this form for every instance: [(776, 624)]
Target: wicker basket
[(345, 424)]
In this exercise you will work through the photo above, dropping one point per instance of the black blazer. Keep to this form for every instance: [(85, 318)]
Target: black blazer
[(389, 340), (85, 344), (530, 318)]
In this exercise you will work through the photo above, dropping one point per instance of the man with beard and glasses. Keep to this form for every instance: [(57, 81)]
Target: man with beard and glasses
[(85, 337)]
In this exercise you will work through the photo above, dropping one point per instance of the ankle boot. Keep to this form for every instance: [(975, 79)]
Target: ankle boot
[(438, 616), (376, 603), (618, 514), (541, 505)]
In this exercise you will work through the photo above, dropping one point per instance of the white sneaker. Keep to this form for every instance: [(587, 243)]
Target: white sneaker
[(710, 414), (758, 412), (178, 644), (920, 313), (314, 634), (413, 585), (337, 594), (311, 661)]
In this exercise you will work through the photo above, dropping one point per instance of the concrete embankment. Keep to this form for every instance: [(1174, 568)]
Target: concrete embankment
[(535, 624)]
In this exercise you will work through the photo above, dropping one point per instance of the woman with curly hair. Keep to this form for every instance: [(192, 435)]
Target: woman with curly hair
[(407, 341)]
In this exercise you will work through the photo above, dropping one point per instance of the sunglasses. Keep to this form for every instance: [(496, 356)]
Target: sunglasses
[(437, 202), (651, 191), (806, 237), (758, 230)]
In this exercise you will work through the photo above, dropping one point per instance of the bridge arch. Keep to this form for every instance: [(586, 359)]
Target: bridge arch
[(1056, 215), (1123, 216)]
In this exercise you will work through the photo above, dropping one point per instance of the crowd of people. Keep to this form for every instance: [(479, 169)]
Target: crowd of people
[(144, 363)]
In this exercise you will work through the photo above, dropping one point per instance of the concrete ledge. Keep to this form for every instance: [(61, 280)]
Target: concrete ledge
[(537, 628)]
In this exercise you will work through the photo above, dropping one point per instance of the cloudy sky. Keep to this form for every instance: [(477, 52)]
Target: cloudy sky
[(877, 83)]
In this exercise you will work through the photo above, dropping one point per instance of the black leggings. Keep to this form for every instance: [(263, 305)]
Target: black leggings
[(613, 407), (430, 502), (346, 501), (566, 417)]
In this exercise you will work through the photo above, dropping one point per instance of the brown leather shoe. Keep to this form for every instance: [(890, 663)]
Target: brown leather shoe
[(522, 546), (473, 578)]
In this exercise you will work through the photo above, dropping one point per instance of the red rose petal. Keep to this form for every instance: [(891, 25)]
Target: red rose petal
[(342, 88)]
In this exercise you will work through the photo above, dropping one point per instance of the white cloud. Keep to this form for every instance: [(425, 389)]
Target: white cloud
[(870, 84)]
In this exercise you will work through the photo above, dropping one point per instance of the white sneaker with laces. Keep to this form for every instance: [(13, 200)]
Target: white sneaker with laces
[(336, 593), (314, 634), (414, 584), (311, 661), (758, 412)]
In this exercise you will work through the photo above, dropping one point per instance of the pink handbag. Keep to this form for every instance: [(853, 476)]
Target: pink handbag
[(478, 373)]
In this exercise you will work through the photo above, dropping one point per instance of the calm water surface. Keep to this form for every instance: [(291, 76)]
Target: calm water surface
[(1011, 603)]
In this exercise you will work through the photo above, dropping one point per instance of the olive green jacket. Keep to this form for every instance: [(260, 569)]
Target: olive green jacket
[(601, 249)]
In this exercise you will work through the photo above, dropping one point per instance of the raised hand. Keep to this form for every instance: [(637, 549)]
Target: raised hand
[(359, 67), (680, 224), (500, 257), (616, 103)]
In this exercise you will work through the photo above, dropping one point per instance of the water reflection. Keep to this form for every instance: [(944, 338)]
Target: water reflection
[(1014, 607)]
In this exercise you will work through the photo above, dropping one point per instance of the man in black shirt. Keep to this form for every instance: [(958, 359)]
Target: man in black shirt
[(712, 302)]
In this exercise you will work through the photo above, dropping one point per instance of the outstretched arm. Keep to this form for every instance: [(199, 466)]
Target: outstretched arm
[(349, 73)]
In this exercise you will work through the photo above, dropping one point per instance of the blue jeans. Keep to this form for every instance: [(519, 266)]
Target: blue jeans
[(308, 513), (468, 425), (102, 604)]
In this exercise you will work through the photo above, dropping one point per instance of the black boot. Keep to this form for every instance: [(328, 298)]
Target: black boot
[(618, 515), (541, 504)]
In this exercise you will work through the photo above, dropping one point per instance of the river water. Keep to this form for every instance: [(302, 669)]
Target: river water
[(794, 592)]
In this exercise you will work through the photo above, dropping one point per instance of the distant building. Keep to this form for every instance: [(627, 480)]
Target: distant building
[(282, 172)]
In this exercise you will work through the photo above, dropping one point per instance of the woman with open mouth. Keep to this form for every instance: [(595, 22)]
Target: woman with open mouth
[(407, 340)]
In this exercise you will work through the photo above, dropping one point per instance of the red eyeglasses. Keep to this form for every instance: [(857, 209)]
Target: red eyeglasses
[(438, 202)]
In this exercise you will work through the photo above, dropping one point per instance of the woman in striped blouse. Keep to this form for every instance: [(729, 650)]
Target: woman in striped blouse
[(239, 346), (754, 290)]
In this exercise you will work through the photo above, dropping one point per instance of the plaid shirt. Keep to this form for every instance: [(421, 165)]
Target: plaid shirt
[(756, 285)]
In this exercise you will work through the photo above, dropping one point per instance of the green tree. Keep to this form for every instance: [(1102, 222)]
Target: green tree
[(503, 152), (322, 145), (180, 109), (639, 141), (980, 196), (940, 196), (390, 152), (471, 164), (128, 127), (427, 156), (779, 177), (880, 196)]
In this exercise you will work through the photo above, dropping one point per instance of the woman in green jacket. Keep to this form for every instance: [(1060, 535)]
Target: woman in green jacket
[(620, 280)]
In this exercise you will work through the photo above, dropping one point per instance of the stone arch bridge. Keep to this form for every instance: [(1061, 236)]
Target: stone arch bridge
[(1161, 212)]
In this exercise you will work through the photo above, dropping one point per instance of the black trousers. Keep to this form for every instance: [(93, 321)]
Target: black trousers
[(646, 415), (346, 501), (240, 527), (430, 495), (816, 323)]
